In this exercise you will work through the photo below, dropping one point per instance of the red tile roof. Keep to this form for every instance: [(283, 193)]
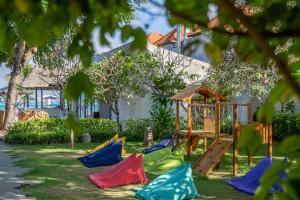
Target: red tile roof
[(154, 36), (169, 38)]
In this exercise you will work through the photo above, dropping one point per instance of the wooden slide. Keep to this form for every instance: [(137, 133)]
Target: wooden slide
[(212, 156)]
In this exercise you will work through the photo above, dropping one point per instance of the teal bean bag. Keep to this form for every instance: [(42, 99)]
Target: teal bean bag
[(176, 184)]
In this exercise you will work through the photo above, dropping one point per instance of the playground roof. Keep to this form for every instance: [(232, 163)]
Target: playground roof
[(191, 90)]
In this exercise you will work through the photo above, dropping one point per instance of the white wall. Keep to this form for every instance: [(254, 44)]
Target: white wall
[(134, 108), (139, 107)]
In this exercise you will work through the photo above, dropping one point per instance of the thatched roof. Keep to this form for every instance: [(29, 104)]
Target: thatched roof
[(39, 78), (191, 90), (4, 89)]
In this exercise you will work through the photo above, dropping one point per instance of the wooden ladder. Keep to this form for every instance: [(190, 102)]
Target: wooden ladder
[(212, 156)]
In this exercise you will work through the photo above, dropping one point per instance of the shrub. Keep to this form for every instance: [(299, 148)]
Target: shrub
[(163, 119), (38, 131), (285, 124), (100, 129), (134, 129), (226, 125), (55, 130)]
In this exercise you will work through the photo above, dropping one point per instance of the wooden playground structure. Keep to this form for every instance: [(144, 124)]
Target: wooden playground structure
[(206, 111)]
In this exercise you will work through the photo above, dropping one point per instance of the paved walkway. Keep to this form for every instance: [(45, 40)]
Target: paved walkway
[(9, 182)]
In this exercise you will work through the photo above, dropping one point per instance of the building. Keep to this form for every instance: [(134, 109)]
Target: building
[(171, 47)]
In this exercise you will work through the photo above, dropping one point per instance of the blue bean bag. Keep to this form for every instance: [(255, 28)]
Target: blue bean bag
[(177, 184), (167, 142), (109, 155), (251, 181)]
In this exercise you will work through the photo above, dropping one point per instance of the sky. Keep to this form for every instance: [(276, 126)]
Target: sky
[(150, 23), (157, 23)]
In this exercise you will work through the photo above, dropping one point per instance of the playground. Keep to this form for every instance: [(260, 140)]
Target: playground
[(65, 178), (198, 161)]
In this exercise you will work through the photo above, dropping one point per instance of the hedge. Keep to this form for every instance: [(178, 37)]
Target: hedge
[(55, 130), (285, 124), (134, 129)]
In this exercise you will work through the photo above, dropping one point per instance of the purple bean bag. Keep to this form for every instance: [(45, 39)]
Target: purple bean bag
[(250, 181), (163, 144)]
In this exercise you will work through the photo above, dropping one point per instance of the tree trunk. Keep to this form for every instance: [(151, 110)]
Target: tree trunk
[(21, 58), (117, 115), (281, 106), (15, 80)]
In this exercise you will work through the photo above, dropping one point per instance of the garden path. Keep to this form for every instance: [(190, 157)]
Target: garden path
[(9, 180)]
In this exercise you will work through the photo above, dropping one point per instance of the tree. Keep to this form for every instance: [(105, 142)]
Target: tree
[(53, 57), (114, 77), (25, 26), (233, 77), (23, 54), (163, 75), (261, 26)]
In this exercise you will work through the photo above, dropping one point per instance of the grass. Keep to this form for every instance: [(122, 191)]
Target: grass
[(66, 178)]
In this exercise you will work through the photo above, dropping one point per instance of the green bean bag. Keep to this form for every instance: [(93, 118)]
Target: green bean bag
[(176, 184), (166, 162), (151, 158)]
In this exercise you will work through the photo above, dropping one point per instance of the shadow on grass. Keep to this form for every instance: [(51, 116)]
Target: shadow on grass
[(66, 178)]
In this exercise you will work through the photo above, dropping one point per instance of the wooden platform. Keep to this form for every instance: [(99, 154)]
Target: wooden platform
[(212, 156), (197, 133), (202, 133)]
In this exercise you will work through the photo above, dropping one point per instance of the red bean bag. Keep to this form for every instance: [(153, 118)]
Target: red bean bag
[(128, 171)]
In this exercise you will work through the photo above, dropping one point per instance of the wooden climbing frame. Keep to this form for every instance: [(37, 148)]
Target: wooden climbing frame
[(211, 117), (211, 124), (264, 129)]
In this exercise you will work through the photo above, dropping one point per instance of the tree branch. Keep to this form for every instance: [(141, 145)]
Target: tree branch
[(262, 43), (195, 20)]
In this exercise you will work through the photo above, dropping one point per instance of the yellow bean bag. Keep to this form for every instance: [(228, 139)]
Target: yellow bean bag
[(122, 139), (115, 138)]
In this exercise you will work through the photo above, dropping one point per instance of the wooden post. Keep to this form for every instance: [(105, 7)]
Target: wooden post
[(36, 98), (42, 103), (61, 100), (217, 121), (79, 106), (27, 101), (204, 116), (235, 139), (270, 150), (249, 111), (177, 117), (189, 127), (204, 144)]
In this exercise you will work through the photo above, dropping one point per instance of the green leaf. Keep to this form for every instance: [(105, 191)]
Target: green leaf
[(221, 40), (267, 110), (140, 41), (126, 32), (78, 84), (290, 147), (214, 52), (73, 122), (250, 139), (269, 178)]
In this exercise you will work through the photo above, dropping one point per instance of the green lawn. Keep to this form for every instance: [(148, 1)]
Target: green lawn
[(66, 178)]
